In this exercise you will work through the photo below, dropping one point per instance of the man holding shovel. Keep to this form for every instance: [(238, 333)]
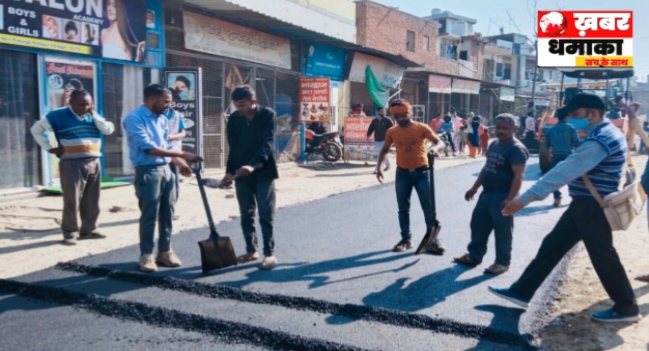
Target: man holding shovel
[(147, 131), (250, 131), (412, 170)]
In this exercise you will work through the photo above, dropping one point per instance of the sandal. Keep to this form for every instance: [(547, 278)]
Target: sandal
[(269, 263), (643, 278), (466, 260), (249, 257)]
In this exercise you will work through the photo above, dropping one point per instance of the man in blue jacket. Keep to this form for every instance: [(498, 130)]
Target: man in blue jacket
[(602, 157)]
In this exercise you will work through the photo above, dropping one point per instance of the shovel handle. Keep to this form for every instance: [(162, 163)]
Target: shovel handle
[(197, 168), (431, 170)]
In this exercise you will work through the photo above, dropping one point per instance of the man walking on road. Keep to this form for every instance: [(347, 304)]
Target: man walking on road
[(501, 179), (412, 170), (251, 131), (147, 131), (601, 156), (379, 127), (78, 131), (561, 140), (177, 133)]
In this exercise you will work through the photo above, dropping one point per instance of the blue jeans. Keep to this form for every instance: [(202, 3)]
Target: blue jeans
[(487, 217), (155, 191), (556, 159), (405, 181)]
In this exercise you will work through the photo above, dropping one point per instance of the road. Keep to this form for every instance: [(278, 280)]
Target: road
[(338, 286)]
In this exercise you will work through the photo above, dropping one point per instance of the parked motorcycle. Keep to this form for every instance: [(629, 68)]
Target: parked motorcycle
[(328, 145)]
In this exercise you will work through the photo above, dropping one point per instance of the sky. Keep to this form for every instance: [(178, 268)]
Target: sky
[(492, 14)]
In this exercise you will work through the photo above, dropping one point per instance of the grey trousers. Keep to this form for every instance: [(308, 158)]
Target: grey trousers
[(155, 190), (81, 185)]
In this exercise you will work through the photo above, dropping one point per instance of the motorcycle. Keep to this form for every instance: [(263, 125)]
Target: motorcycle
[(447, 144), (328, 145)]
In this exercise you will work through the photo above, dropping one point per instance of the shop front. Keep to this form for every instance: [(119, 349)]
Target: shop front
[(112, 51), (230, 55)]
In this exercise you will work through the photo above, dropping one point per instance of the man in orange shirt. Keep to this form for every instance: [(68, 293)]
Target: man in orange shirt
[(412, 170)]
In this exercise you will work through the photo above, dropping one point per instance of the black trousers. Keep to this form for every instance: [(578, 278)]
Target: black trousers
[(583, 220), (253, 195)]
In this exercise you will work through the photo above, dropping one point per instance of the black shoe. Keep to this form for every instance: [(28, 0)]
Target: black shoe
[(403, 245)]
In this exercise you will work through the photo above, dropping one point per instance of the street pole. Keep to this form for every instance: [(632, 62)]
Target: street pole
[(536, 67)]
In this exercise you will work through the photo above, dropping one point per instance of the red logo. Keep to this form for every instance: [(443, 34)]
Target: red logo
[(553, 24)]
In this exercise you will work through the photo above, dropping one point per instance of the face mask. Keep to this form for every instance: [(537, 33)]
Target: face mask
[(579, 123)]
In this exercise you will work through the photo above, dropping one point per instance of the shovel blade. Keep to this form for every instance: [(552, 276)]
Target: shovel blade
[(429, 239), (216, 254)]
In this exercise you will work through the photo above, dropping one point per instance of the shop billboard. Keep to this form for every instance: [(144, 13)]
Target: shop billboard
[(212, 36), (114, 29), (439, 84), (325, 61), (315, 100), (357, 146), (187, 95), (585, 39), (461, 86)]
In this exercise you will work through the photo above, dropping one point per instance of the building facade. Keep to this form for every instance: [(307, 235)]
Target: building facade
[(110, 48)]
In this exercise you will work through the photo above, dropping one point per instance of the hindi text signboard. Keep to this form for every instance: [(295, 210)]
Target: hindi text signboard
[(315, 96), (357, 146)]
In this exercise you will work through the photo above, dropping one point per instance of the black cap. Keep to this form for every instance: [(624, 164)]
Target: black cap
[(585, 100)]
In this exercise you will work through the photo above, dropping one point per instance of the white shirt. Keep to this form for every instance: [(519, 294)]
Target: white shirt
[(529, 124), (40, 128)]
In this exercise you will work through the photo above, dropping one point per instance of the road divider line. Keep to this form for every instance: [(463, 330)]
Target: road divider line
[(355, 312), (225, 331)]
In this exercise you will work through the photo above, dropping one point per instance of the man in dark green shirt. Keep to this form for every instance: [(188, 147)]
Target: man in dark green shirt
[(561, 140)]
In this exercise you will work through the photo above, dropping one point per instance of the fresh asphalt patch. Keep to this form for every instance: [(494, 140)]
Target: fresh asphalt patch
[(226, 331), (354, 312)]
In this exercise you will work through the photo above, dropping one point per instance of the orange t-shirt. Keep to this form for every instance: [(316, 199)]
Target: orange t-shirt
[(411, 144)]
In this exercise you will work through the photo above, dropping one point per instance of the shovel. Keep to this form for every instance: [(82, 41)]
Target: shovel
[(217, 251), (431, 235)]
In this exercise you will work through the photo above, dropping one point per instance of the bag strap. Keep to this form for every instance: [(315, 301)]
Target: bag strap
[(593, 191)]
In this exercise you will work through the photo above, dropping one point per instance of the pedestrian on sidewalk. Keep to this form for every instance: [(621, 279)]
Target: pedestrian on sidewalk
[(379, 127), (412, 170), (475, 129), (602, 156), (436, 122), (251, 131), (177, 133), (447, 128), (462, 137), (501, 179), (530, 130), (630, 109), (561, 140), (147, 132), (643, 146), (484, 142), (78, 131), (357, 111)]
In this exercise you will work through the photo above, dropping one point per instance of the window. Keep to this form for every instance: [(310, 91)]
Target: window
[(507, 74), (464, 55), (19, 110), (410, 41), (499, 69), (426, 43)]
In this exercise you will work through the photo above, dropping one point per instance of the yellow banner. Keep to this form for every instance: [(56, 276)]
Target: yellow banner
[(43, 44), (604, 61)]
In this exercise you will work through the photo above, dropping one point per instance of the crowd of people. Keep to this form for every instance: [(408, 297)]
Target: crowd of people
[(591, 168)]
